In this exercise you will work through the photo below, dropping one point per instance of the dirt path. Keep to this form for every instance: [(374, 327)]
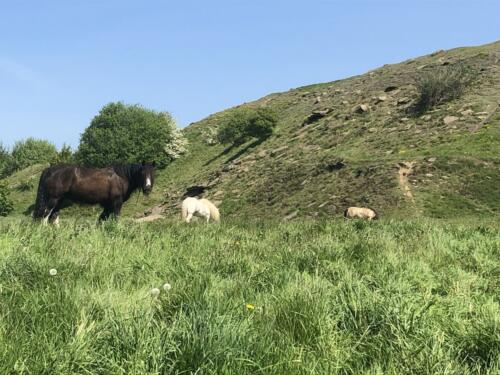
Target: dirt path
[(405, 169)]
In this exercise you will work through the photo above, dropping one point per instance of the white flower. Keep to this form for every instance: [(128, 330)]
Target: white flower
[(167, 287), (155, 292), (53, 272)]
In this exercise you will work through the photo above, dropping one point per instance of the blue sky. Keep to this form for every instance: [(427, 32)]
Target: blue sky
[(61, 61)]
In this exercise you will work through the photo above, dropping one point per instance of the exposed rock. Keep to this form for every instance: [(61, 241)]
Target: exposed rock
[(334, 165), (218, 193), (227, 167), (426, 117), (155, 210), (149, 218), (361, 108), (390, 88), (262, 153), (429, 175), (467, 112), (431, 160), (195, 190), (345, 102), (380, 99), (317, 100), (291, 216), (450, 120), (404, 100), (315, 116), (276, 151)]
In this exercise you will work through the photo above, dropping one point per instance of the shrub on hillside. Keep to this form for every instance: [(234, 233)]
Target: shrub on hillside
[(242, 124), (29, 152), (130, 134), (5, 204), (441, 85)]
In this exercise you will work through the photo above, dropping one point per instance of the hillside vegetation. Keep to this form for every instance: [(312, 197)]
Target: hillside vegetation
[(356, 141), (308, 297)]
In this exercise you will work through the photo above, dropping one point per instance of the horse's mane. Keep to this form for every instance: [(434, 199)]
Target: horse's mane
[(128, 171)]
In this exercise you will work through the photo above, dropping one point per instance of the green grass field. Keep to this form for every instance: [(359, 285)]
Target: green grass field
[(306, 297)]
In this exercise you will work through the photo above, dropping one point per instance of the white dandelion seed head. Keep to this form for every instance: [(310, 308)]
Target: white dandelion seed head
[(155, 292), (167, 287), (53, 272)]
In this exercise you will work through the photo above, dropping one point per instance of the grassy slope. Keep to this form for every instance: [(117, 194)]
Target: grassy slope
[(288, 172), (329, 297)]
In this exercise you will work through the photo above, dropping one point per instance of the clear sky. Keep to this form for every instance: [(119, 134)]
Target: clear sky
[(61, 61)]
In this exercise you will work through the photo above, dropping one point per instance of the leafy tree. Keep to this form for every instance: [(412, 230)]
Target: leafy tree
[(129, 134), (65, 155), (5, 161), (32, 151), (5, 204), (242, 124)]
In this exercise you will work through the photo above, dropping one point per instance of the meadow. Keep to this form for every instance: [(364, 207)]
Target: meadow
[(265, 297)]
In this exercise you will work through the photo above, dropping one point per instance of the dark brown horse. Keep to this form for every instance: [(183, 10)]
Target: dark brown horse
[(110, 187)]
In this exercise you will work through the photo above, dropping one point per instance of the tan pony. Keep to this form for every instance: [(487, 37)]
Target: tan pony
[(199, 207), (360, 213)]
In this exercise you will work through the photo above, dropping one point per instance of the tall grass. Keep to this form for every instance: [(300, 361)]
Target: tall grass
[(325, 297)]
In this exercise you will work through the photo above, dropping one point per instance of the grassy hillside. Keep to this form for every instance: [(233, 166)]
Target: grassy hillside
[(309, 297), (347, 158), (400, 164)]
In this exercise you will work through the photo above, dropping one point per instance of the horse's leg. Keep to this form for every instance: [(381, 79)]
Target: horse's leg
[(105, 213), (189, 217), (117, 206), (51, 206), (54, 217)]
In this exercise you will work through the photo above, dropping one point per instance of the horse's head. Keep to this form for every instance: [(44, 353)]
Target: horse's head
[(147, 177)]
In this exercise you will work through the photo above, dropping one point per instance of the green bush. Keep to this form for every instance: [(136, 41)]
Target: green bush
[(242, 124), (65, 155), (5, 161), (31, 151), (5, 204), (129, 134), (441, 85)]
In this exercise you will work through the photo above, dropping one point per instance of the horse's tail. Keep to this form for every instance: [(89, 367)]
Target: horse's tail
[(214, 211), (41, 196)]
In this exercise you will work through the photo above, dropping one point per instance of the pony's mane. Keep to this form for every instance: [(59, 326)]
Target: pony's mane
[(128, 171)]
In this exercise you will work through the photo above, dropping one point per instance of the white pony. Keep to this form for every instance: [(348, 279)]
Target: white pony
[(202, 208), (360, 213)]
